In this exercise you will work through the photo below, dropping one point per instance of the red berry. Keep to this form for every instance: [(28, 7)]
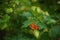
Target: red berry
[(34, 27)]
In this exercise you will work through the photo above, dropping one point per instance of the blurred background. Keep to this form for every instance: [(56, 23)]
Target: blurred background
[(29, 19)]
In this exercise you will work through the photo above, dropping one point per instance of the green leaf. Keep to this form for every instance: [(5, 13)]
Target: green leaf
[(42, 26), (51, 21), (38, 23), (27, 14), (26, 23)]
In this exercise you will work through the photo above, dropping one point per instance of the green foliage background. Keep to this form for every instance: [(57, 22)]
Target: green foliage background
[(17, 15)]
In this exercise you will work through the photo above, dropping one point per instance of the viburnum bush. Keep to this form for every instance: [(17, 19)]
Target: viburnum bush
[(29, 20)]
